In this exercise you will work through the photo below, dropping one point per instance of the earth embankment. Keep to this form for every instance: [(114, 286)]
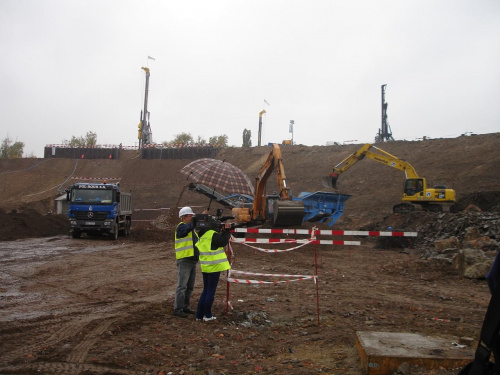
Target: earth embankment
[(468, 164)]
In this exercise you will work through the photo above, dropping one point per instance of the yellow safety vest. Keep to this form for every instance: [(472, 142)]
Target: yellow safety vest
[(183, 246), (211, 260)]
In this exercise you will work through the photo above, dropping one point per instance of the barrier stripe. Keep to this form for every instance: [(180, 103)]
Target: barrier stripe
[(271, 240), (265, 274), (244, 281), (328, 232), (268, 231), (275, 250), (366, 233), (290, 240)]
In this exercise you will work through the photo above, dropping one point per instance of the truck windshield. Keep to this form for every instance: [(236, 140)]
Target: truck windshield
[(91, 196)]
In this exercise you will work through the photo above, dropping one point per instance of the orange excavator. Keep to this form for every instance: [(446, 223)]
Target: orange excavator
[(279, 208)]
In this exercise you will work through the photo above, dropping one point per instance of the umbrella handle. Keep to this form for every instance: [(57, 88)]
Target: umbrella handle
[(208, 209)]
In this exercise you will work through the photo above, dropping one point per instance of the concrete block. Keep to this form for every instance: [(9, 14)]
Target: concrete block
[(383, 352)]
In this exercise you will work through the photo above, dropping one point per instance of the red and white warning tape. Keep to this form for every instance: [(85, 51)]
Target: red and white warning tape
[(292, 240), (265, 274), (365, 233), (327, 232), (278, 231), (247, 281), (272, 240), (243, 281), (275, 250)]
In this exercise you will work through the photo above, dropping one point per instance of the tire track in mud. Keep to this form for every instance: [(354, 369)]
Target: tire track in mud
[(65, 368), (104, 317), (79, 353)]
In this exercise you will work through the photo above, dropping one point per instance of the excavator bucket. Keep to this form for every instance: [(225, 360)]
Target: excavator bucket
[(287, 213), (329, 182)]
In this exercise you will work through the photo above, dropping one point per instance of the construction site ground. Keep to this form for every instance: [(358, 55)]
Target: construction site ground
[(97, 306)]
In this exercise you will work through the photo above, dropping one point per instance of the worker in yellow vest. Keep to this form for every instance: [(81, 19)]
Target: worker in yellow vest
[(213, 261), (187, 256)]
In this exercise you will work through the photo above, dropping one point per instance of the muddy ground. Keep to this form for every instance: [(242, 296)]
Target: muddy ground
[(94, 306)]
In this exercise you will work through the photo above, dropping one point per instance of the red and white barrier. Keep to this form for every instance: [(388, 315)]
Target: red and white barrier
[(312, 233), (327, 232), (277, 231), (248, 281), (365, 233), (292, 240)]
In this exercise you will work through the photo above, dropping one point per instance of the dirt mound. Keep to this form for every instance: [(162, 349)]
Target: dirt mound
[(30, 223), (485, 200)]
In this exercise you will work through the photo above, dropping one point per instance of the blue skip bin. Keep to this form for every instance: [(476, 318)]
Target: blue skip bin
[(323, 207)]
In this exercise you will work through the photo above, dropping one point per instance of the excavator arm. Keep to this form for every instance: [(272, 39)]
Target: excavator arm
[(376, 154), (274, 163), (415, 190), (281, 208)]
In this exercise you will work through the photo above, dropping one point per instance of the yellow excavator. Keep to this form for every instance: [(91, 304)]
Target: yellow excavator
[(279, 208), (416, 193)]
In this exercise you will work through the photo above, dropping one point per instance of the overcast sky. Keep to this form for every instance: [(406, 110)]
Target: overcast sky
[(69, 67)]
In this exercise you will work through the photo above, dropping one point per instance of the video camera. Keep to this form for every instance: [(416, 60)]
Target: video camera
[(209, 222)]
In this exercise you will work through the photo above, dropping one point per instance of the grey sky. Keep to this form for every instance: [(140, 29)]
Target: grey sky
[(69, 67)]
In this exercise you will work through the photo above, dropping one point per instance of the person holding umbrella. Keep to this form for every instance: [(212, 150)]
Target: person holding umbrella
[(213, 261), (187, 256)]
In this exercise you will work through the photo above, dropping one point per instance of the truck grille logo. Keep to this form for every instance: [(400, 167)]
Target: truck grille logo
[(90, 215)]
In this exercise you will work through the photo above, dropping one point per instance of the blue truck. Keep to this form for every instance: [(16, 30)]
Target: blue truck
[(96, 208)]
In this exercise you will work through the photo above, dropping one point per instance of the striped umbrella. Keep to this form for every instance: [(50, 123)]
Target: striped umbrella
[(218, 175)]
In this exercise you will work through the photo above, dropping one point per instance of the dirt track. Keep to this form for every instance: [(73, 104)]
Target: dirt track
[(92, 306)]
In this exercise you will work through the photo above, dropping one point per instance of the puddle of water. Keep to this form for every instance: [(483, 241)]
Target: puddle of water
[(19, 259)]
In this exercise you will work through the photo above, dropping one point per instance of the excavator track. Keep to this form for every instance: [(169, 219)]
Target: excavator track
[(287, 213), (403, 208)]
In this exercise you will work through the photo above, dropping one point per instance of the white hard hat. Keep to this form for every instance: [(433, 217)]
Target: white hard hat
[(185, 211)]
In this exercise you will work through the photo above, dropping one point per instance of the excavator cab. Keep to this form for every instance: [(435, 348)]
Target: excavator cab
[(414, 186), (415, 193)]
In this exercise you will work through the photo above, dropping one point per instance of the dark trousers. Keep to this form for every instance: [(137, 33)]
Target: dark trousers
[(186, 275), (210, 281)]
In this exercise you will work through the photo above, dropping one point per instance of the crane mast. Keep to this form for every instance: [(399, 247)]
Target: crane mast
[(145, 135)]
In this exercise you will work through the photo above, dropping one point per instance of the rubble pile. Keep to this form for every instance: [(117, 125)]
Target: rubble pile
[(470, 242), (165, 221), (460, 225)]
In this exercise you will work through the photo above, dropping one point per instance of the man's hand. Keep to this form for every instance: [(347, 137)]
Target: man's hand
[(227, 225)]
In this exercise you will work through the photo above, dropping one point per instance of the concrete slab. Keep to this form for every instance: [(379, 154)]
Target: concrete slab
[(383, 352)]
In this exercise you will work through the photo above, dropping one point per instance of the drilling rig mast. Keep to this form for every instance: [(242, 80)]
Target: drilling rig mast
[(260, 126), (145, 135), (384, 133)]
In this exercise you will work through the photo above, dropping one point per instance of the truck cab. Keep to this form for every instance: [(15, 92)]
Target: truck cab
[(96, 208)]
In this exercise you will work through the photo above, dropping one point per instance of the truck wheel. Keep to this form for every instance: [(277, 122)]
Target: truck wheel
[(76, 234), (128, 224), (114, 235)]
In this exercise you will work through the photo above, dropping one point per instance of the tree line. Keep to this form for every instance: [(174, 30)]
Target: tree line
[(12, 150)]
